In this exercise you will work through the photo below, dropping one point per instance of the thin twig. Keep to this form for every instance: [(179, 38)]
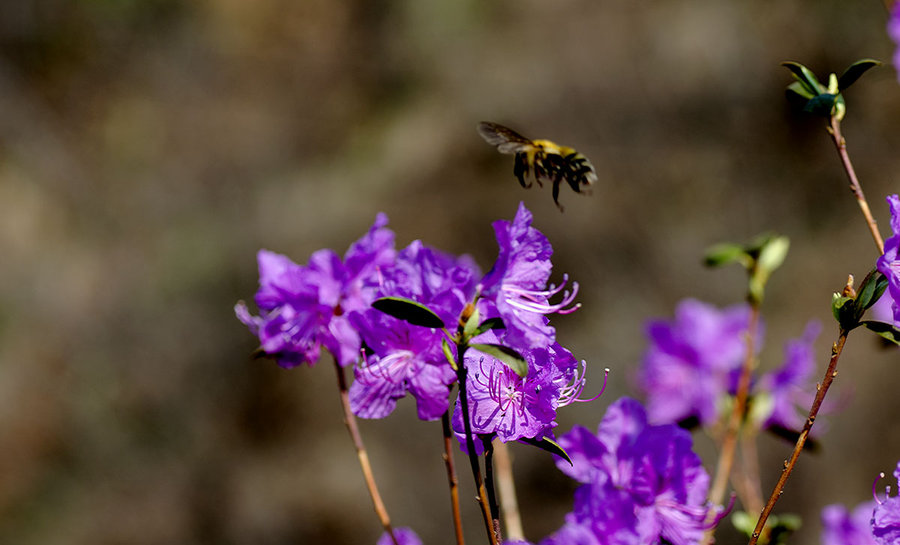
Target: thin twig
[(841, 144), (510, 505), (489, 483), (350, 422), (451, 477), (821, 390), (729, 441), (751, 493)]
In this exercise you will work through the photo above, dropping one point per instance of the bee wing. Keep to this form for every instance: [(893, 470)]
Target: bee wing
[(505, 139)]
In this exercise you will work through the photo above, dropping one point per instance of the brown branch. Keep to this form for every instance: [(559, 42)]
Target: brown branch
[(451, 477), (350, 422), (841, 144), (821, 390), (510, 505)]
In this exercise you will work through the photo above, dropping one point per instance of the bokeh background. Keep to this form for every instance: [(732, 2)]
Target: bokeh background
[(148, 148)]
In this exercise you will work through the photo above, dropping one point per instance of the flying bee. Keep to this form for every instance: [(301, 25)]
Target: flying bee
[(550, 161)]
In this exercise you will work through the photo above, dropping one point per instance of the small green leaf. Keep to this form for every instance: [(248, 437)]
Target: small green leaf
[(843, 310), (550, 446), (490, 323), (408, 311), (806, 78), (887, 331), (821, 104), (448, 353), (773, 253), (472, 324), (505, 354), (854, 71), (801, 90), (726, 254)]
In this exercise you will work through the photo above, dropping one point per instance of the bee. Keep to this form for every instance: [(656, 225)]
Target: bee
[(550, 161)]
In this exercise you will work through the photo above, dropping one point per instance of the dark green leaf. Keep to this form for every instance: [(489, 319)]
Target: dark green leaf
[(821, 104), (806, 78), (408, 311), (873, 286), (887, 331), (490, 323), (550, 446), (854, 71), (507, 355)]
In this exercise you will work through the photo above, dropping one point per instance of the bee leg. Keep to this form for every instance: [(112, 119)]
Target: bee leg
[(521, 169), (556, 193)]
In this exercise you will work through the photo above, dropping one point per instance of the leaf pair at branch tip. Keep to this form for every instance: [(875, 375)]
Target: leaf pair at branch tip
[(760, 258), (820, 99), (849, 310)]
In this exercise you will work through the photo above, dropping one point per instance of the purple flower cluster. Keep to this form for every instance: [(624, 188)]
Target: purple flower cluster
[(327, 303), (641, 483), (303, 308), (695, 360), (889, 263), (886, 516), (872, 523)]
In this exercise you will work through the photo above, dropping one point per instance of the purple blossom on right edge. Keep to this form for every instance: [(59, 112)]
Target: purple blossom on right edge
[(842, 527), (889, 263), (893, 30), (886, 517), (641, 483)]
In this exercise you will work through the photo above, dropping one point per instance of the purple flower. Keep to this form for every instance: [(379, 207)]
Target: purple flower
[(305, 308), (840, 527), (893, 30), (510, 407), (642, 483), (886, 517), (889, 263), (692, 361), (516, 287), (404, 358), (788, 387), (405, 536)]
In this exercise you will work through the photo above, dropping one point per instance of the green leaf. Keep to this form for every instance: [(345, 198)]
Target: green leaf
[(726, 254), (873, 286), (445, 347), (854, 71), (806, 78), (472, 324), (490, 323), (821, 104), (550, 446), (408, 311), (801, 90), (507, 355), (844, 311), (773, 253), (887, 331)]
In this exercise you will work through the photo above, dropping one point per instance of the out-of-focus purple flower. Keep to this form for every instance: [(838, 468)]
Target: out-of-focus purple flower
[(693, 361), (305, 308), (788, 386), (642, 483), (404, 535), (516, 287), (893, 30), (510, 407), (841, 527), (405, 358), (889, 263), (886, 517)]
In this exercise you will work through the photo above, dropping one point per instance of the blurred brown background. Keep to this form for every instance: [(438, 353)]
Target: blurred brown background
[(148, 148)]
